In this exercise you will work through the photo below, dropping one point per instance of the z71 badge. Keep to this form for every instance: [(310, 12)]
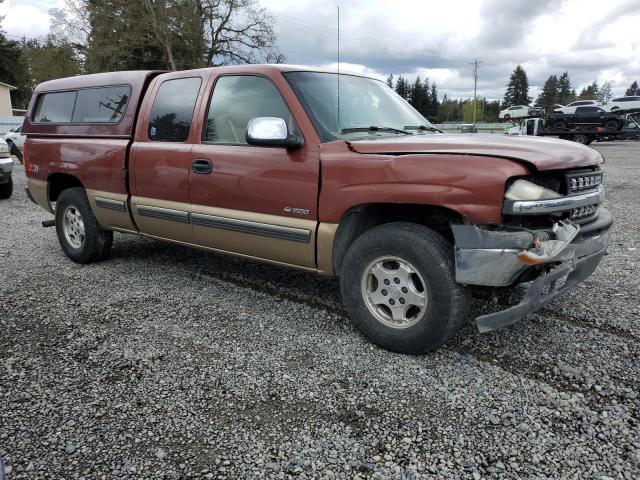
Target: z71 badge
[(296, 211)]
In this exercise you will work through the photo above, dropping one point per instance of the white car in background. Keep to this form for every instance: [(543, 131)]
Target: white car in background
[(557, 108), (14, 136), (623, 104), (519, 111), (571, 108), (4, 150)]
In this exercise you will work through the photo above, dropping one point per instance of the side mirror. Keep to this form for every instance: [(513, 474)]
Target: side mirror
[(271, 132)]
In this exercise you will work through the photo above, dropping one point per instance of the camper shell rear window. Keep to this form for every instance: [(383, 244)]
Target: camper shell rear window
[(104, 104)]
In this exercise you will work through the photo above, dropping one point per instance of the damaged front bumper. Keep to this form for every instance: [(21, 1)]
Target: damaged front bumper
[(497, 258)]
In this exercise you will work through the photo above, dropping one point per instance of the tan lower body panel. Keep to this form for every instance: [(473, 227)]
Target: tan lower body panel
[(326, 236), (110, 209), (235, 254), (163, 219), (280, 239), (39, 190), (276, 239)]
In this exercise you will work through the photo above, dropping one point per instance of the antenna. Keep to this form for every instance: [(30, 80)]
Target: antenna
[(338, 67)]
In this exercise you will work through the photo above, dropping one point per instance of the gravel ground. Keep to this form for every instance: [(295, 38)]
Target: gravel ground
[(165, 362)]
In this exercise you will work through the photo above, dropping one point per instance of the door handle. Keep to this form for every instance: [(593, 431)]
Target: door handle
[(201, 166)]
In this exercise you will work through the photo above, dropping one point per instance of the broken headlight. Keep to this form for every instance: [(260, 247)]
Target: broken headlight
[(525, 190)]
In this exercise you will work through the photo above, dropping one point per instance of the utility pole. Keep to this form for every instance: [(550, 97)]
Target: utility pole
[(475, 90)]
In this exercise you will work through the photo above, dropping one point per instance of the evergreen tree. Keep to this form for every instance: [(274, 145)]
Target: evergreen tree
[(549, 95), (417, 95), (590, 93), (566, 93), (402, 87), (517, 89), (12, 70), (433, 102), (633, 89), (390, 81)]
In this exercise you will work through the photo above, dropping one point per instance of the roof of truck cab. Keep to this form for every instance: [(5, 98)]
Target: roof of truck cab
[(282, 67)]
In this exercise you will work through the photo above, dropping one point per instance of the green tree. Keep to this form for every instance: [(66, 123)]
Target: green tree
[(633, 89), (433, 103), (415, 95), (517, 89), (390, 81), (403, 88), (12, 70), (590, 92), (47, 59), (167, 34), (549, 94), (449, 110), (566, 93), (467, 110), (490, 111)]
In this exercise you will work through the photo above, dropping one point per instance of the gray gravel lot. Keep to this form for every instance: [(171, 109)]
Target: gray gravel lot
[(165, 362)]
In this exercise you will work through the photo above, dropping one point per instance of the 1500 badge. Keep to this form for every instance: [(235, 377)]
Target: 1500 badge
[(296, 211)]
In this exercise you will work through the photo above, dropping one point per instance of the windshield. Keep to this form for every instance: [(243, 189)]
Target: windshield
[(364, 103)]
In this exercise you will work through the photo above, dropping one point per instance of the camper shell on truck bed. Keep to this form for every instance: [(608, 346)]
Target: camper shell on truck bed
[(254, 160), (58, 130)]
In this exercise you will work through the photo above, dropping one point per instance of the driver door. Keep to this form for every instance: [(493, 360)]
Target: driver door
[(251, 200)]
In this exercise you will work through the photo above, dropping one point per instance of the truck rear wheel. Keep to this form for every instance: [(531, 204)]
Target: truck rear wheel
[(6, 189), (581, 138), (398, 285), (82, 239), (560, 124)]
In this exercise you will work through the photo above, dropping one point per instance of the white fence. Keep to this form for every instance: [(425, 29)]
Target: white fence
[(8, 123), (482, 127)]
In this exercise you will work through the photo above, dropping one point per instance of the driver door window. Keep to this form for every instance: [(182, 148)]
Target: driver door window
[(238, 99)]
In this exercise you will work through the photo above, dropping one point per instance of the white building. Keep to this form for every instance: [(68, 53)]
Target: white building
[(8, 120), (5, 100)]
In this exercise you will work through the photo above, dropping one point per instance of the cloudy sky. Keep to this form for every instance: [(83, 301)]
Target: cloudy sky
[(593, 40)]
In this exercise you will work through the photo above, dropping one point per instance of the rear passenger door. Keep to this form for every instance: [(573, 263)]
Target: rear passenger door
[(588, 116), (253, 200), (160, 159)]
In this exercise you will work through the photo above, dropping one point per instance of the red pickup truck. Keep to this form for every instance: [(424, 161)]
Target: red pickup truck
[(330, 173)]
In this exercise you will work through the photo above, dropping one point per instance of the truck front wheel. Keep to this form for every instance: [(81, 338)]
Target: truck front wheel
[(398, 285), (82, 239), (6, 189)]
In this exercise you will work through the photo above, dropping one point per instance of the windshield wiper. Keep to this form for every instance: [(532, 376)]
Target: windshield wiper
[(373, 128), (423, 128)]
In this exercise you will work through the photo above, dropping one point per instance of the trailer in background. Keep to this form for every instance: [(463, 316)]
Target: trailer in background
[(584, 135)]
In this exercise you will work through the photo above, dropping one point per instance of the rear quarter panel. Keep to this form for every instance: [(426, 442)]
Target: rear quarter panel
[(99, 163)]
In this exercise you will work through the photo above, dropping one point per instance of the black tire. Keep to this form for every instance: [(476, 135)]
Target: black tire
[(560, 124), (612, 125), (431, 256), (96, 244), (581, 138), (6, 189), (507, 117)]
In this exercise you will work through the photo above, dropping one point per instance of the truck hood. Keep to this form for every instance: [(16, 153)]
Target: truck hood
[(540, 152)]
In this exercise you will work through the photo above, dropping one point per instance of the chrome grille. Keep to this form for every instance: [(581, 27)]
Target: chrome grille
[(580, 181), (582, 213)]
